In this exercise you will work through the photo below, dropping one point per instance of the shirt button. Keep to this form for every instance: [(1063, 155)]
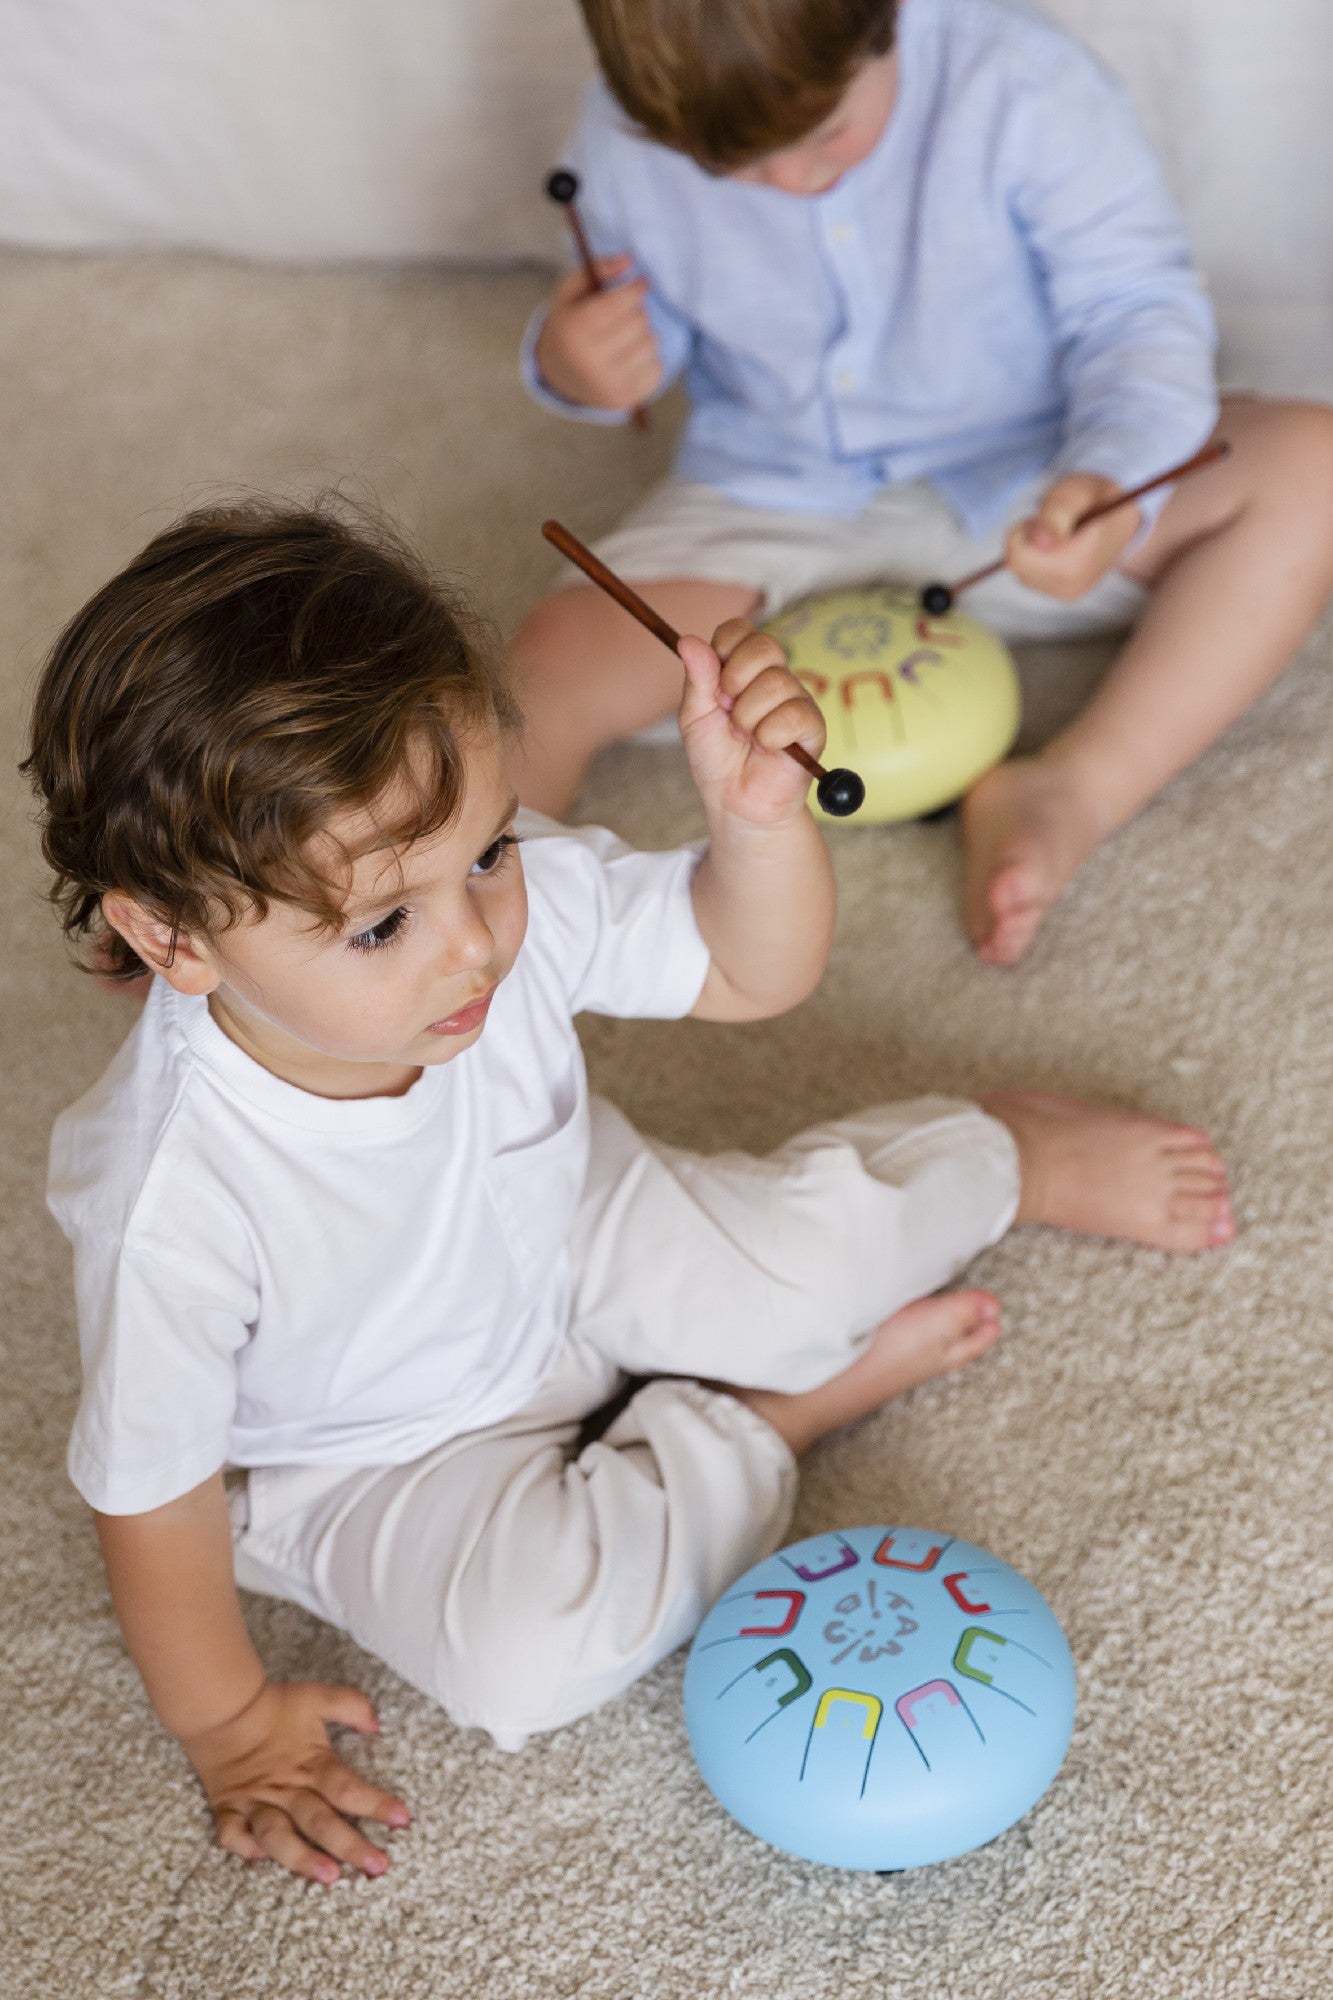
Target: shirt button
[(845, 379), (841, 232)]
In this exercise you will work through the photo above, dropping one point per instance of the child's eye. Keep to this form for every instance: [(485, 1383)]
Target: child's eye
[(487, 862), (380, 934)]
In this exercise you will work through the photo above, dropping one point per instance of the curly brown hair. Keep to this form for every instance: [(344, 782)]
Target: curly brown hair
[(728, 81), (255, 672)]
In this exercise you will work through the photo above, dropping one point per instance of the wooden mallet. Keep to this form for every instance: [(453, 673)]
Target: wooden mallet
[(840, 792), (562, 186), (937, 598)]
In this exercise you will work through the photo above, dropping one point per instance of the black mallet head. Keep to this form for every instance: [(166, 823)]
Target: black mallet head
[(562, 186), (937, 598), (840, 793)]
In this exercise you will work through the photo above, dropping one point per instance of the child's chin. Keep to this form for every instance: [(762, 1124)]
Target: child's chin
[(436, 1046)]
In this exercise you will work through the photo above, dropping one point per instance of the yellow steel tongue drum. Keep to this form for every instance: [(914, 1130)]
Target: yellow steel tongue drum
[(920, 706)]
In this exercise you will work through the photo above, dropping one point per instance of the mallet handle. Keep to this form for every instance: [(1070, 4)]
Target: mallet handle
[(593, 567)]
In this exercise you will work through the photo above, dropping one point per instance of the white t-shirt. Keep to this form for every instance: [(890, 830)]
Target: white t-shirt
[(268, 1277)]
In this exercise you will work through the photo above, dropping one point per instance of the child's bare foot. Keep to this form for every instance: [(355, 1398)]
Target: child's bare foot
[(930, 1337), (1115, 1173), (1027, 831)]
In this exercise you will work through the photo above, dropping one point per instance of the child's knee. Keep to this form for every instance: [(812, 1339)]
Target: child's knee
[(508, 1690), (554, 627), (519, 1667), (1316, 443), (585, 1582), (1295, 487), (1296, 454), (571, 653)]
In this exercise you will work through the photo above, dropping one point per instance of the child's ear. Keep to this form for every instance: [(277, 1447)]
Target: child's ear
[(184, 962)]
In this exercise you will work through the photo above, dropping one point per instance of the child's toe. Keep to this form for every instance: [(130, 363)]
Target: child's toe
[(1187, 1139), (1190, 1177), (974, 1340), (1199, 1218)]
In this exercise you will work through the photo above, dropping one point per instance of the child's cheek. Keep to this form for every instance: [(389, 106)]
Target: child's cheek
[(513, 926)]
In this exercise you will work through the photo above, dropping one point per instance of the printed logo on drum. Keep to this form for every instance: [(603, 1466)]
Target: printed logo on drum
[(871, 1624)]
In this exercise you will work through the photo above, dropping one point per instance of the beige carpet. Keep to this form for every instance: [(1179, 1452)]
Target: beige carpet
[(1151, 1443)]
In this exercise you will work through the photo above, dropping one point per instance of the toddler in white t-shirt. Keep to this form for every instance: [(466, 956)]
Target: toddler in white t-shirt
[(356, 1255)]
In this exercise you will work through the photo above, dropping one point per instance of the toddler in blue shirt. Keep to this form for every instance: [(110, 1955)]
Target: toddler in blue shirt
[(930, 297)]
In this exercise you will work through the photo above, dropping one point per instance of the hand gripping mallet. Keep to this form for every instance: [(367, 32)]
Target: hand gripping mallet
[(937, 598), (840, 792), (562, 186)]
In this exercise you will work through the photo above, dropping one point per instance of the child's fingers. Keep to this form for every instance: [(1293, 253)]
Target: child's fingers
[(351, 1793), (745, 652), (702, 697), (234, 1834), (280, 1841), (759, 680), (702, 670), (592, 320), (1064, 504), (775, 710), (622, 307), (327, 1830), (572, 290), (634, 357), (729, 635), (345, 1705), (1067, 569), (640, 384), (1066, 572), (609, 269), (626, 388), (629, 343), (574, 285), (794, 721)]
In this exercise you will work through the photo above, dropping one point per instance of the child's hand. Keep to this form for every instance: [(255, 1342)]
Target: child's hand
[(597, 348), (278, 1790), (1048, 554), (742, 706)]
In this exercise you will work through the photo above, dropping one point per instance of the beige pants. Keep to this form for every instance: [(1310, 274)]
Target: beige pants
[(907, 534), (521, 1582)]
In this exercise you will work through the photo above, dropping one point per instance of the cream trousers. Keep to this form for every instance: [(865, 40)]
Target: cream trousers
[(522, 1581), (906, 535)]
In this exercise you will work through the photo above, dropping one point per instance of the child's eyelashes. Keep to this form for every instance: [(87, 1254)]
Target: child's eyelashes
[(380, 934), (376, 936), (490, 859)]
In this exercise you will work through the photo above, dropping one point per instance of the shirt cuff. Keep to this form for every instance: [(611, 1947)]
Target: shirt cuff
[(541, 391), (109, 1489)]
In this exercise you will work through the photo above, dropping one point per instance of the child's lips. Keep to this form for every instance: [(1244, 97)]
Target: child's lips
[(466, 1019)]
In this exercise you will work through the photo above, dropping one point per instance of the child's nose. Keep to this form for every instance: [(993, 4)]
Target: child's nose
[(470, 942)]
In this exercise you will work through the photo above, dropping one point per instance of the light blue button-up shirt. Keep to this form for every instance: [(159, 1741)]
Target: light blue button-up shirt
[(1002, 289)]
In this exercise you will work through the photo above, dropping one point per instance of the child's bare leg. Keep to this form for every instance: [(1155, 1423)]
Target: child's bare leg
[(1240, 565), (930, 1337), (587, 675), (1081, 1167), (1104, 1172)]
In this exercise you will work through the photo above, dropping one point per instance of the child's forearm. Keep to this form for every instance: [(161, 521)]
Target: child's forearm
[(765, 902), (173, 1587)]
